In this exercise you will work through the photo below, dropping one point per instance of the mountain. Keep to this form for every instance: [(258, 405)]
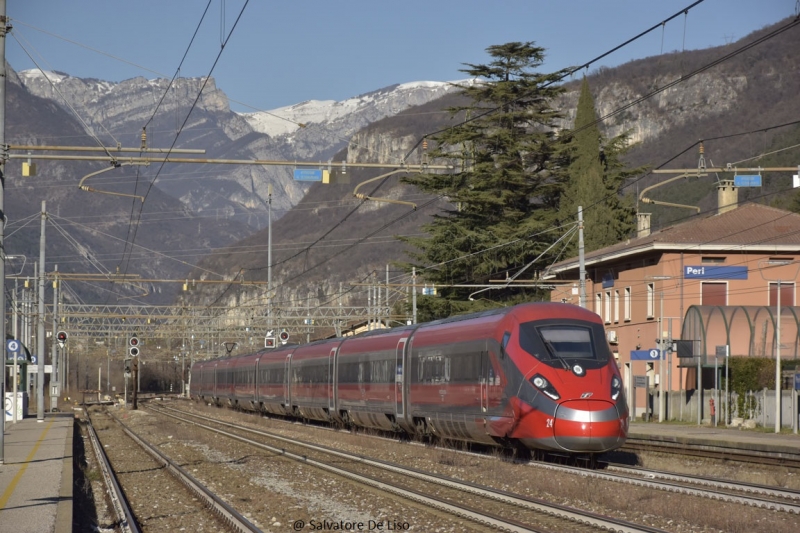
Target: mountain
[(191, 209), (117, 112), (87, 232)]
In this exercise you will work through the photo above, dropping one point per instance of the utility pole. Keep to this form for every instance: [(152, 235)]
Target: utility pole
[(135, 365), (414, 295), (269, 257), (55, 377), (581, 259), (40, 346), (2, 209)]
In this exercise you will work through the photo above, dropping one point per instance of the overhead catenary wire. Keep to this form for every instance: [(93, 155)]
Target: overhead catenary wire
[(188, 114), (162, 75), (567, 72), (596, 59), (131, 224)]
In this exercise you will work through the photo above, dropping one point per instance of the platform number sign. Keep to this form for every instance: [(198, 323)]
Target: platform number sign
[(13, 348)]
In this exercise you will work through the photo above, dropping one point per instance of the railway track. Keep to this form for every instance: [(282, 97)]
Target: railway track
[(144, 483), (496, 509), (786, 458), (119, 504), (749, 494)]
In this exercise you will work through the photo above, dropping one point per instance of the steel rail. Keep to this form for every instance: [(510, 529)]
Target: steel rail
[(120, 504), (541, 506), (788, 458), (751, 501), (227, 513), (750, 488)]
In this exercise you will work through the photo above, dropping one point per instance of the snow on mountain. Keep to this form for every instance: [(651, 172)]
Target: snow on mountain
[(285, 121)]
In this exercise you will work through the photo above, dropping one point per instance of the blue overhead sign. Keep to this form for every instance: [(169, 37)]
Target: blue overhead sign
[(714, 272), (797, 381), (307, 174), (747, 181), (646, 355)]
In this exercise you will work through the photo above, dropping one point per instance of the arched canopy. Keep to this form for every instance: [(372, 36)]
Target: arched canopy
[(749, 330)]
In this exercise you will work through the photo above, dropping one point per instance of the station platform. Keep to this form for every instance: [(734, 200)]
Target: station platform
[(757, 441), (36, 475)]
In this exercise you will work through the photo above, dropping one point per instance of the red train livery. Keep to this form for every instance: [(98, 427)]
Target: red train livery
[(539, 374)]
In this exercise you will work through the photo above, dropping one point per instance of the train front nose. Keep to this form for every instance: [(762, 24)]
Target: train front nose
[(589, 426)]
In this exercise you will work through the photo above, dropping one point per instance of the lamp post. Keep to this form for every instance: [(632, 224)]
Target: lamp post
[(771, 263)]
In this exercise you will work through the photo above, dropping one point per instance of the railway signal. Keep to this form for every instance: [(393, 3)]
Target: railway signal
[(61, 338), (133, 350), (284, 336), (269, 340)]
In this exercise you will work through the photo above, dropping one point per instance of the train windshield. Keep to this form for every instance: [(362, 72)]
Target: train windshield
[(557, 342)]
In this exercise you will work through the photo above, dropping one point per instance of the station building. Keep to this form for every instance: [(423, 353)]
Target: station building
[(713, 280)]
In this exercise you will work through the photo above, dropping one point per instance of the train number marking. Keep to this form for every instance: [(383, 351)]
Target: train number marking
[(549, 423)]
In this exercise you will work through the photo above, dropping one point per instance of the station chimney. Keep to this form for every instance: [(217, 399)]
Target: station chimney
[(727, 196)]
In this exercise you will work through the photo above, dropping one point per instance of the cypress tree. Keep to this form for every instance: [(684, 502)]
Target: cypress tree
[(595, 178), (505, 188)]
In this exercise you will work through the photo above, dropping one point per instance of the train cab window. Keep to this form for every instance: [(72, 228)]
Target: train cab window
[(557, 341)]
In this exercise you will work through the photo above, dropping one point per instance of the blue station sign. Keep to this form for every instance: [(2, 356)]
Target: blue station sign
[(307, 174), (747, 181), (714, 272), (652, 354)]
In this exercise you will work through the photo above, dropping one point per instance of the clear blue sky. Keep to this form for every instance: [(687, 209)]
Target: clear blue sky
[(282, 53)]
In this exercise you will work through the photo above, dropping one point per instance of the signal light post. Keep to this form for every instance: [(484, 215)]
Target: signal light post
[(55, 384), (133, 350)]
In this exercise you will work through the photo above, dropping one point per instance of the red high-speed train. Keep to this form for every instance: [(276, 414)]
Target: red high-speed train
[(540, 375)]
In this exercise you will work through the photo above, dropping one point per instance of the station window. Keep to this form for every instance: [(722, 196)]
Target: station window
[(607, 307), (627, 304), (712, 260), (616, 305), (651, 301), (714, 293), (787, 294)]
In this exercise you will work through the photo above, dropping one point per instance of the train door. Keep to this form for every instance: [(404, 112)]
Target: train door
[(287, 390), (331, 388), (398, 380), (257, 381), (486, 380), (214, 385)]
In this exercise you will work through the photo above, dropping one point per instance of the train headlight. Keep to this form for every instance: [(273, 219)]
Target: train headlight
[(616, 387), (543, 385)]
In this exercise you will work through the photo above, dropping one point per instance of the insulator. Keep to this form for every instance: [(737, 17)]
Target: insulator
[(701, 163), (144, 139)]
